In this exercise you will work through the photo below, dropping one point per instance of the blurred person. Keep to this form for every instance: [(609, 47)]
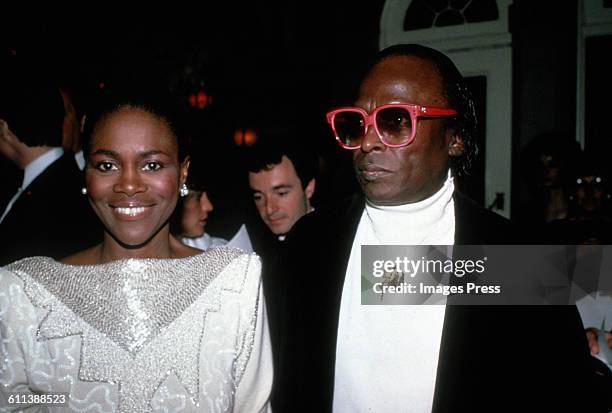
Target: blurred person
[(46, 214), (80, 99), (74, 123), (589, 218), (590, 192), (196, 207), (194, 210), (549, 162), (140, 321), (589, 223)]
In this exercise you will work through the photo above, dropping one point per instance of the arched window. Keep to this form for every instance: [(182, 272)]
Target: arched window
[(423, 14), (475, 35)]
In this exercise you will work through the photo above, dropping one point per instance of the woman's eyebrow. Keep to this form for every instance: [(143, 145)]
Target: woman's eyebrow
[(144, 154), (115, 154), (105, 152)]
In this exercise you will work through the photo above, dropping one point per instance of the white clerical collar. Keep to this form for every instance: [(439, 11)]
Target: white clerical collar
[(38, 165), (283, 237)]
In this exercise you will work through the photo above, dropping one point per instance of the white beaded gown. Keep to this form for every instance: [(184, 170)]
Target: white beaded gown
[(137, 335)]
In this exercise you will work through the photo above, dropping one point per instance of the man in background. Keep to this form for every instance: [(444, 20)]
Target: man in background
[(283, 183), (74, 123), (47, 213)]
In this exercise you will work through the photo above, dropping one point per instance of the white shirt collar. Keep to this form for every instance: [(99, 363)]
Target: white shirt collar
[(80, 159), (38, 165), (283, 237)]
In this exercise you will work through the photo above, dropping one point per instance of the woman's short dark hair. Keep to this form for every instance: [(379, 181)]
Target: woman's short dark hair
[(159, 104)]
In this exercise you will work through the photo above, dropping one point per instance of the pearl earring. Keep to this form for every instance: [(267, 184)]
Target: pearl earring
[(184, 191), (84, 191)]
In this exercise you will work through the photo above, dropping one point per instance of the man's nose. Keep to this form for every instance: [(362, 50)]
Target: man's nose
[(270, 206), (370, 140)]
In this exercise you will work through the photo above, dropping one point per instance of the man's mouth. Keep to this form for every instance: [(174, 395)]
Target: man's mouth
[(275, 221), (372, 172)]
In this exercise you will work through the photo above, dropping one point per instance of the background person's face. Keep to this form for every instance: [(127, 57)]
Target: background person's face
[(549, 171), (279, 197), (590, 193), (196, 207), (395, 176), (133, 175)]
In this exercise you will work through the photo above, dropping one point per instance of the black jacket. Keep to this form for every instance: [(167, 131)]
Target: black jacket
[(51, 217), (493, 358)]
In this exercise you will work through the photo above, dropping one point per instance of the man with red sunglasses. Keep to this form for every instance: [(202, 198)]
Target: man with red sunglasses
[(411, 132)]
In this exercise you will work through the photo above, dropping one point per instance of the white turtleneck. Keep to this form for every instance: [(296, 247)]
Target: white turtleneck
[(387, 356)]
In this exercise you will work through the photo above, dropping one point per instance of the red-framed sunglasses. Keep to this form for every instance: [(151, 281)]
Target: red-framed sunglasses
[(395, 124)]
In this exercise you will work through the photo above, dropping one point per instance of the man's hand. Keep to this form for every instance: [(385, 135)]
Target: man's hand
[(592, 337)]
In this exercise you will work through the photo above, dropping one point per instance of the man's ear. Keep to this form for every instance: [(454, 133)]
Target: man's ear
[(456, 145), (82, 123), (6, 134), (3, 128), (310, 188)]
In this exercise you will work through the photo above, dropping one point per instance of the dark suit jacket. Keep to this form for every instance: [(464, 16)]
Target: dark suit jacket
[(491, 358), (272, 252), (51, 217)]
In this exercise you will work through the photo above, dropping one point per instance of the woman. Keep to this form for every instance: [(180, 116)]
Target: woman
[(193, 211), (140, 322)]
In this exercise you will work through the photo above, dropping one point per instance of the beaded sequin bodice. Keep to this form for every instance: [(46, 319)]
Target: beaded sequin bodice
[(146, 327)]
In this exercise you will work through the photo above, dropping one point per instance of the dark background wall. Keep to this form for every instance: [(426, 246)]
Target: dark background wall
[(288, 62), (544, 54), (264, 63), (544, 69)]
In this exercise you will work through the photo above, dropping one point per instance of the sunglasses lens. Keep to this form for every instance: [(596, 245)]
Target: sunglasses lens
[(349, 127), (395, 125)]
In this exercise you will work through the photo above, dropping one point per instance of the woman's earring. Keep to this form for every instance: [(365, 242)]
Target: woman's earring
[(84, 191), (184, 191)]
